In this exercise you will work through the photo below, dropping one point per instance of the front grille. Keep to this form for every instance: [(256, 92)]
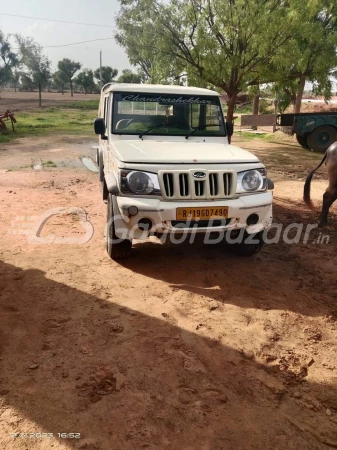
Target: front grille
[(213, 184), (227, 182), (168, 184), (183, 185), (200, 223), (199, 188)]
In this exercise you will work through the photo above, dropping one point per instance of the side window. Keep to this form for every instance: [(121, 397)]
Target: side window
[(105, 111), (108, 114), (195, 114), (213, 116)]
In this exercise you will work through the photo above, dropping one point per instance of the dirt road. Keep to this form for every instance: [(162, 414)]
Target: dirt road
[(179, 347)]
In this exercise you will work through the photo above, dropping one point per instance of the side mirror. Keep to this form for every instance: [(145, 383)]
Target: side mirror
[(230, 128), (99, 126)]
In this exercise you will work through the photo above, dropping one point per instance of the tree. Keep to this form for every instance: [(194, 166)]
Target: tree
[(129, 77), (155, 67), (231, 44), (26, 83), (314, 54), (226, 44), (60, 80), (8, 59), (68, 69), (15, 78), (108, 74), (37, 65), (85, 80)]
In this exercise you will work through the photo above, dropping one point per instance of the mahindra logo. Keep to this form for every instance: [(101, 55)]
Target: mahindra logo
[(199, 174)]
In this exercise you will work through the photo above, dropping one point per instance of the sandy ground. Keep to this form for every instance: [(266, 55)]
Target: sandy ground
[(179, 347)]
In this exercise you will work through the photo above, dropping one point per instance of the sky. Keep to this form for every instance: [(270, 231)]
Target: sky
[(102, 13)]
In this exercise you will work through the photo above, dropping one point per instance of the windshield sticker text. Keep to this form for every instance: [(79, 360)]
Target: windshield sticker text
[(181, 100)]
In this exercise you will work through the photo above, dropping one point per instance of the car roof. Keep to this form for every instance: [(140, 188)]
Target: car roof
[(156, 89)]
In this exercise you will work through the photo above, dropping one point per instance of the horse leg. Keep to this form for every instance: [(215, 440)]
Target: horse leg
[(328, 198)]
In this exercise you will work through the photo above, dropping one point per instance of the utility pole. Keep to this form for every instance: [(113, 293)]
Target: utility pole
[(100, 69)]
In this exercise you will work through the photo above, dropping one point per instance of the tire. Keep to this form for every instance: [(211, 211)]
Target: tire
[(101, 166), (247, 249), (322, 137), (100, 163), (122, 248), (104, 190), (303, 141)]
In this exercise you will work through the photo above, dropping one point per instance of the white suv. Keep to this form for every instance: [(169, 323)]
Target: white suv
[(167, 168)]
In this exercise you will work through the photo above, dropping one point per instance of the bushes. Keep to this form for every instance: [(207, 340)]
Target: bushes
[(266, 106)]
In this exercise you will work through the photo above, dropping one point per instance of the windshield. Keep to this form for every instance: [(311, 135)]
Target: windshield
[(167, 114)]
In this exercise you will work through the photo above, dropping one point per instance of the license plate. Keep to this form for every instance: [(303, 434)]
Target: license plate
[(202, 213)]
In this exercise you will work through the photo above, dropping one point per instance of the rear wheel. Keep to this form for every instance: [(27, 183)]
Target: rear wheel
[(322, 137), (302, 140), (251, 244), (116, 248)]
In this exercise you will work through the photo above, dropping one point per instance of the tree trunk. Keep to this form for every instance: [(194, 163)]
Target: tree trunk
[(40, 95), (298, 101), (231, 106), (255, 110), (71, 88)]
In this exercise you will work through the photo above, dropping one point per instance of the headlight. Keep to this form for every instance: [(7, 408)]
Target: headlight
[(252, 181), (141, 183)]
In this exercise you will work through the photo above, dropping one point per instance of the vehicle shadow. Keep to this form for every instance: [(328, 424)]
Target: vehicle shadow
[(282, 277), (71, 362)]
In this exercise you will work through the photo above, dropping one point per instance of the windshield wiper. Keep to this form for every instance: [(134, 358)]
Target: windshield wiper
[(150, 129), (195, 129), (160, 125)]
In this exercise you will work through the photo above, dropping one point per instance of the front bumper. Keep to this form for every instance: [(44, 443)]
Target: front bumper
[(162, 213)]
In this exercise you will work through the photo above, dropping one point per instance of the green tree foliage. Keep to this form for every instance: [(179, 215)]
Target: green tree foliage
[(226, 44), (230, 44), (60, 81), (68, 69), (8, 59), (311, 54), (85, 81), (108, 74), (26, 84), (129, 77), (136, 28), (37, 65)]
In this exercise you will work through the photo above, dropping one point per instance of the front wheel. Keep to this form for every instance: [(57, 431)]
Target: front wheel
[(104, 190), (248, 245), (116, 248)]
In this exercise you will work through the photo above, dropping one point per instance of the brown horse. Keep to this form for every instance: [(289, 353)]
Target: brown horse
[(330, 194)]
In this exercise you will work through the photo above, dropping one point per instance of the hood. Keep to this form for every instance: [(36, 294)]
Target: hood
[(180, 152)]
